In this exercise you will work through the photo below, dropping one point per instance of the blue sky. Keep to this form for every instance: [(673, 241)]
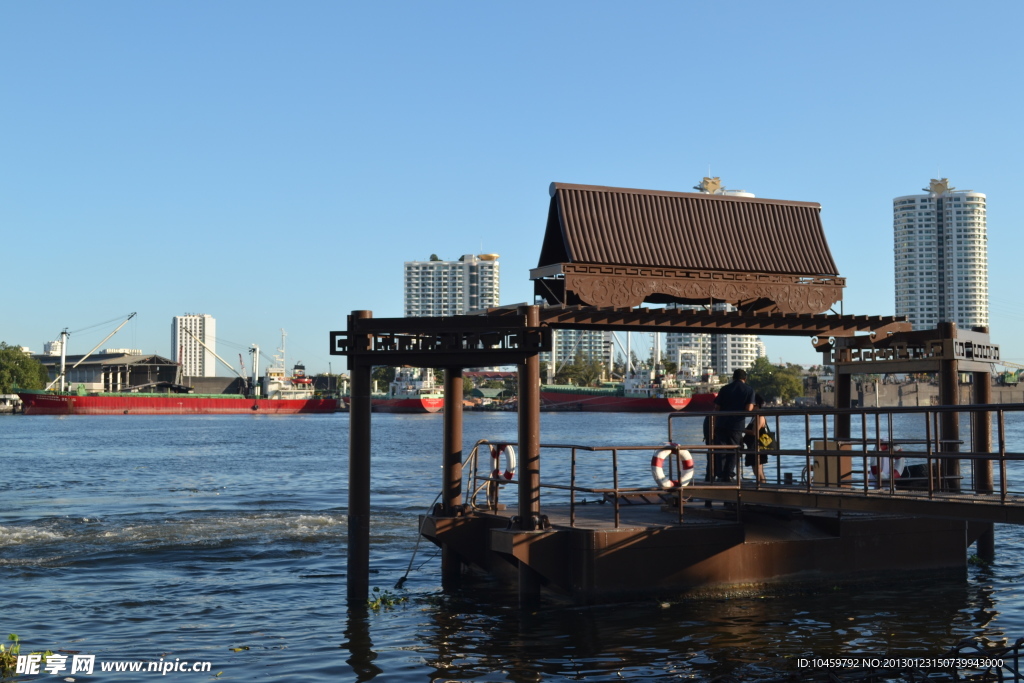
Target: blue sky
[(274, 164)]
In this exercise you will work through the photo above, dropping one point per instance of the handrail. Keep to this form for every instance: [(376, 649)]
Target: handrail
[(849, 464)]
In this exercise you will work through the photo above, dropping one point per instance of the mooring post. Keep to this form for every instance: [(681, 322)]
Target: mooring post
[(949, 395), (529, 454), (982, 443), (451, 563), (359, 462)]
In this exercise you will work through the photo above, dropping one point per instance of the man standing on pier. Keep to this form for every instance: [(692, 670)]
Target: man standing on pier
[(735, 396)]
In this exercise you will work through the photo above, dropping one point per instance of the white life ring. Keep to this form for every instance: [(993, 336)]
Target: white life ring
[(658, 463), (888, 465), (510, 461)]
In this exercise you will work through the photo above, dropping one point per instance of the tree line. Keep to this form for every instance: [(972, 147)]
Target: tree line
[(18, 370)]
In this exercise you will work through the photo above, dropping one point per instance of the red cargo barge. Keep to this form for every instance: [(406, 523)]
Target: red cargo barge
[(69, 403)]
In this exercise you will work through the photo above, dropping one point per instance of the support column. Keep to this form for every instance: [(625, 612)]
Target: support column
[(359, 464), (451, 563), (529, 455), (982, 443), (844, 386), (949, 395)]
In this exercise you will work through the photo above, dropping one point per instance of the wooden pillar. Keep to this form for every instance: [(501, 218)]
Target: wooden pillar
[(529, 432), (949, 395), (844, 385), (982, 443), (359, 464), (451, 563), (529, 455)]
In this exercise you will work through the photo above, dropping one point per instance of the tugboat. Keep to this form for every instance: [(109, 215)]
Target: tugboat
[(412, 391)]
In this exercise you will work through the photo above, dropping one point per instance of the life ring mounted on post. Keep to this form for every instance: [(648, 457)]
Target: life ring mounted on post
[(889, 466), (510, 461), (658, 467)]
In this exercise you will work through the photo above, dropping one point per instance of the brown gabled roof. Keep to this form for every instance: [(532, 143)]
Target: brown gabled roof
[(619, 226)]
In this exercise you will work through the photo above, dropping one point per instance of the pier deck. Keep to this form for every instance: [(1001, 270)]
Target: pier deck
[(583, 555)]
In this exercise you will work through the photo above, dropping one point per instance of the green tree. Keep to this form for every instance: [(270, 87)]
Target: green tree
[(589, 371), (776, 382), (18, 369), (384, 376)]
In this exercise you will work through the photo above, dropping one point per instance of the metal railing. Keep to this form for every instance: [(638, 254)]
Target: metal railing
[(489, 482), (856, 448), (869, 451)]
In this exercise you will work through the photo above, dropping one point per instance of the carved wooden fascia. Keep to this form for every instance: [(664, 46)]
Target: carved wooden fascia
[(630, 286)]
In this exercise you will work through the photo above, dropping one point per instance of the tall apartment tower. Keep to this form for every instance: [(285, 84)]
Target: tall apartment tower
[(721, 354), (196, 361), (698, 353), (940, 244), (567, 345), (441, 288)]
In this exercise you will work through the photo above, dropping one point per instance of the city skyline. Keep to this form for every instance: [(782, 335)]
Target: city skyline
[(274, 166)]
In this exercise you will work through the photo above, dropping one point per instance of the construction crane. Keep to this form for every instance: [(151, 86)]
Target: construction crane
[(1008, 378)]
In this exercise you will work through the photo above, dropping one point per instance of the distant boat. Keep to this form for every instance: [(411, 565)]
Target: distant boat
[(281, 396), (277, 394), (634, 395), (412, 391)]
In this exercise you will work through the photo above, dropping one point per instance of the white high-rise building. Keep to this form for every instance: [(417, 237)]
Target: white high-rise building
[(940, 244), (442, 288), (196, 361), (720, 354), (700, 353), (567, 345)]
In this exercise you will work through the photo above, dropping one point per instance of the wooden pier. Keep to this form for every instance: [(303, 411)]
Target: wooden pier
[(828, 523)]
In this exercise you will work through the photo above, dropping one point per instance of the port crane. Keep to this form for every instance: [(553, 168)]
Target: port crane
[(64, 334), (1008, 378), (228, 365)]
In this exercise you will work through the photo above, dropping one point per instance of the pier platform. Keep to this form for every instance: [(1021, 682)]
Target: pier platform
[(718, 550)]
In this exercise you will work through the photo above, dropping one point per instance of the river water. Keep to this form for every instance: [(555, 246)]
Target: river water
[(221, 539)]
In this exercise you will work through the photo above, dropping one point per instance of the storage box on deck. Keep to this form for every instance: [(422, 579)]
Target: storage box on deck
[(831, 470)]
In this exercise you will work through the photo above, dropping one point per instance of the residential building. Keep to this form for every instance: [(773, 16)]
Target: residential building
[(720, 354), (940, 246), (443, 288), (699, 354), (566, 345), (187, 331)]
